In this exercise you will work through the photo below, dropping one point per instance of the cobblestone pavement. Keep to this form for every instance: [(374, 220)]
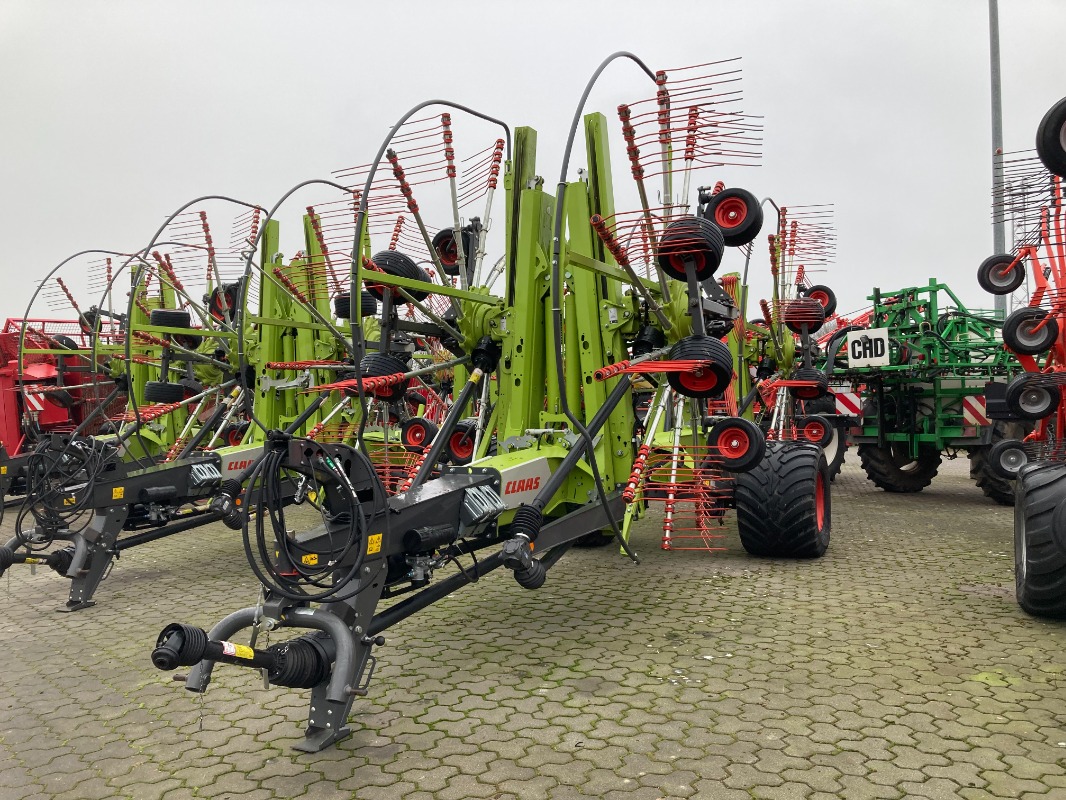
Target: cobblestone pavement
[(897, 666)]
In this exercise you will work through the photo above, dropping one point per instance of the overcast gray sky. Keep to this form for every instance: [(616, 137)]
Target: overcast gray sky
[(115, 112)]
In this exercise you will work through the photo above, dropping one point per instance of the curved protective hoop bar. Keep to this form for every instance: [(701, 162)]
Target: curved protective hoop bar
[(556, 296), (360, 220)]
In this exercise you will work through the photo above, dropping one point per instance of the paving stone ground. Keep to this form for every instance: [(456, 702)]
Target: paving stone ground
[(896, 666)]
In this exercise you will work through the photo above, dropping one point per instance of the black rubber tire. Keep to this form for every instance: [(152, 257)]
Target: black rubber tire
[(810, 392), (393, 262), (737, 214), (159, 392), (1039, 558), (691, 236), (64, 342), (815, 429), (737, 444), (229, 296), (594, 539), (711, 381), (448, 253), (783, 504), (991, 481), (416, 434), (342, 305), (1032, 396), (824, 295), (1019, 336), (1007, 457), (459, 448), (170, 318), (988, 274), (894, 471), (1051, 139), (378, 365), (837, 446), (803, 311)]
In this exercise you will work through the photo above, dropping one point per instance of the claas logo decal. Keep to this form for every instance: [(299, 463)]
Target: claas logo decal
[(524, 485), (233, 465)]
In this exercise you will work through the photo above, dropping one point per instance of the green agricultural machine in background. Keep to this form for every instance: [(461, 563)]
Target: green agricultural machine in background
[(927, 378)]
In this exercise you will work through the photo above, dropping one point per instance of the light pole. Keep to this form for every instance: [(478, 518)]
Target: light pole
[(999, 241)]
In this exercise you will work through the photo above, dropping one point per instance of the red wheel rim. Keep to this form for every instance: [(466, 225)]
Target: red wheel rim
[(416, 434), (807, 393), (734, 443), (814, 431), (821, 297), (730, 213), (234, 438), (677, 261), (448, 253), (461, 444), (701, 381), (819, 501)]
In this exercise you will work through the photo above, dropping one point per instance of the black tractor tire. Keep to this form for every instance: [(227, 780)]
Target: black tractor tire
[(416, 434), (459, 448), (783, 504), (170, 318), (737, 214), (990, 274), (1030, 395), (393, 262), (824, 295), (712, 380), (342, 305), (737, 444), (891, 468), (821, 389), (378, 365), (691, 237), (159, 392), (803, 311), (1019, 334), (1039, 555), (1051, 139), (990, 481)]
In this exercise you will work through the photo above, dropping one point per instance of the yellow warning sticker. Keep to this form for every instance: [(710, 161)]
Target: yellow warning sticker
[(373, 544), (235, 650), (3, 470), (69, 501), (310, 560), (118, 493)]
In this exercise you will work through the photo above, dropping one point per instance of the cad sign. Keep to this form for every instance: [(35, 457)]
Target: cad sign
[(868, 348)]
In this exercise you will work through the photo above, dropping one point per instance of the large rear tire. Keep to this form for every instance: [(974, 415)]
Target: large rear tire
[(783, 503), (891, 468), (1039, 561)]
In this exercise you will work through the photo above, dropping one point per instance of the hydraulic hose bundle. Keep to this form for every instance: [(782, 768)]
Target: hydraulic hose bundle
[(291, 569)]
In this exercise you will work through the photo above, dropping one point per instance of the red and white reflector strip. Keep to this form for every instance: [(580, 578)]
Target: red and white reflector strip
[(849, 404), (34, 402), (973, 411)]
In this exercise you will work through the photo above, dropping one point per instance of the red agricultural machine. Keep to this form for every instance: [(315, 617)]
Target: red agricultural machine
[(1036, 332)]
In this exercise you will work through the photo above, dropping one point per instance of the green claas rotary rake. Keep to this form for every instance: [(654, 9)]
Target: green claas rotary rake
[(539, 443)]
